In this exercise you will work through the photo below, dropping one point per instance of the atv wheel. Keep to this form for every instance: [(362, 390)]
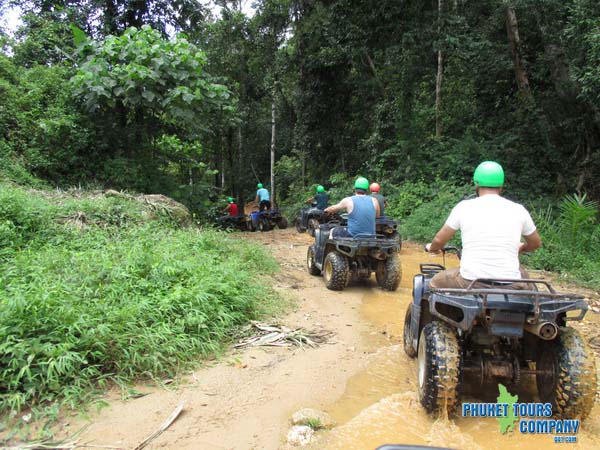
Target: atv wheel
[(568, 381), (389, 273), (335, 271), (439, 362), (251, 226), (310, 261), (313, 224), (282, 223), (298, 225), (264, 225), (407, 336)]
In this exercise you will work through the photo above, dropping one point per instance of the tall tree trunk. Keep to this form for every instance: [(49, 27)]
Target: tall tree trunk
[(440, 73), (303, 168), (512, 30), (223, 158), (273, 129), (238, 165), (438, 94), (572, 104)]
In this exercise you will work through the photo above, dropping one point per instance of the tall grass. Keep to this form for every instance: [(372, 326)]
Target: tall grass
[(571, 240), (80, 308)]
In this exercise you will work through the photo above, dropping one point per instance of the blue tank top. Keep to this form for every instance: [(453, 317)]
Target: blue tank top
[(362, 218)]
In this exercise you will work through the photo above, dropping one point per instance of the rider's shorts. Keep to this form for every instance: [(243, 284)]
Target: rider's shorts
[(452, 279), (341, 232)]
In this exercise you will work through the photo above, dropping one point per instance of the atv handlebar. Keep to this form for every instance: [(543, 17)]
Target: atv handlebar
[(447, 249)]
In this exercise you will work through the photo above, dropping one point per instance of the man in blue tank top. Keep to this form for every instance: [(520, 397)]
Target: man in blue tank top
[(362, 211)]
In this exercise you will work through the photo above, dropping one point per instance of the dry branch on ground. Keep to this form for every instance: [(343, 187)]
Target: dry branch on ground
[(262, 334)]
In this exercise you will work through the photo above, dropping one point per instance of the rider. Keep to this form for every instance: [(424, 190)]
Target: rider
[(375, 188), (491, 228), (262, 198), (231, 209), (321, 198), (362, 212)]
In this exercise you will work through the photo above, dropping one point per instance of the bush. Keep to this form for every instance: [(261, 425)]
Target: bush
[(571, 240), (22, 216), (81, 307), (425, 207)]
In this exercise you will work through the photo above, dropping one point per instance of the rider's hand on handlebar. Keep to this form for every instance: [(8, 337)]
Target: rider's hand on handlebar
[(428, 249)]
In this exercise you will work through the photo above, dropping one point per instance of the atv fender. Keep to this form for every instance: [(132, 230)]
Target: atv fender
[(321, 237), (419, 285)]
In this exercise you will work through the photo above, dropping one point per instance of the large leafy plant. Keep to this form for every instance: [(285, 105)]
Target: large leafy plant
[(145, 74)]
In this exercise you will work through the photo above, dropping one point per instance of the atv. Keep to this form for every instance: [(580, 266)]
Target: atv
[(310, 219), (341, 259), (495, 332), (267, 220), (235, 222)]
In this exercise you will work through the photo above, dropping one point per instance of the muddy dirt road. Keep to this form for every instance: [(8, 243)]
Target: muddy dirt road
[(361, 377)]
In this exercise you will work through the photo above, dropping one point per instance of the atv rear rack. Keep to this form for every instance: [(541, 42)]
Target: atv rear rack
[(476, 301)]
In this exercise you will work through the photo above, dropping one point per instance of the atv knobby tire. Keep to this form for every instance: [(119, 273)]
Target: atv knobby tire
[(335, 271), (439, 363), (389, 273), (298, 225), (282, 223), (310, 261), (264, 225), (408, 337), (569, 381)]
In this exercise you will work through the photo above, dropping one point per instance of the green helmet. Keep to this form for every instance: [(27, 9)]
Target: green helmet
[(361, 183), (489, 174), (230, 199), (320, 188), (259, 186)]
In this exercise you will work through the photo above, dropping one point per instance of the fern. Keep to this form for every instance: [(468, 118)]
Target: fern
[(577, 218)]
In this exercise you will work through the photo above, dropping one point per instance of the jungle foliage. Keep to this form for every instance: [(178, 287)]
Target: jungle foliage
[(178, 98), (355, 87), (118, 298)]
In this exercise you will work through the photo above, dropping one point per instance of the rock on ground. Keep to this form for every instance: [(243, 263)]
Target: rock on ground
[(300, 435), (309, 416)]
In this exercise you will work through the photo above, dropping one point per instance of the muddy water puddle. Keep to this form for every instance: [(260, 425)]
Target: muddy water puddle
[(381, 406)]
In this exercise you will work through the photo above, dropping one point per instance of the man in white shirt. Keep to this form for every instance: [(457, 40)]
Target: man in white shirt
[(491, 228)]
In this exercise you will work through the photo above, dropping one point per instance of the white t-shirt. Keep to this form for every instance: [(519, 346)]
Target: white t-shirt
[(491, 228)]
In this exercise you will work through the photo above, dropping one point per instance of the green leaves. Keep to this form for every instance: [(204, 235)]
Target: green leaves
[(149, 75), (114, 302), (79, 36)]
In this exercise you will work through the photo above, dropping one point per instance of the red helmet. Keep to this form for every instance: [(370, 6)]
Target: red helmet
[(374, 187)]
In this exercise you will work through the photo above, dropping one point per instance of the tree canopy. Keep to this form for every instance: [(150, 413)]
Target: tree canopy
[(399, 90)]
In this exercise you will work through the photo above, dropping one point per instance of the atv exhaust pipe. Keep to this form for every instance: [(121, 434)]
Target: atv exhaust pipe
[(545, 330)]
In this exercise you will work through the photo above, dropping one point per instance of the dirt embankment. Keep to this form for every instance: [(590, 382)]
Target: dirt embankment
[(361, 377)]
